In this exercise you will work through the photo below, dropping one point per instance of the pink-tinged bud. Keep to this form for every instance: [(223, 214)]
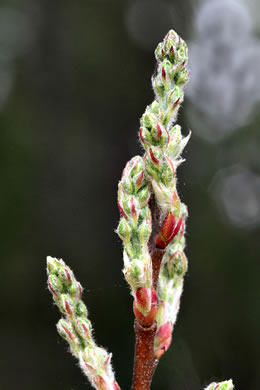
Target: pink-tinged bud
[(55, 285), (101, 383), (75, 289), (176, 102), (80, 289), (170, 164), (163, 339), (107, 362), (139, 181), (68, 308), (143, 299), (163, 73), (66, 305), (171, 54), (115, 386), (150, 317), (133, 210), (121, 210), (83, 328), (153, 158), (65, 275), (145, 320), (165, 236), (65, 330), (176, 229), (141, 135), (159, 130)]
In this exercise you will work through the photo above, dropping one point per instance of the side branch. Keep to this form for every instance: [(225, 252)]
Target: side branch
[(145, 362)]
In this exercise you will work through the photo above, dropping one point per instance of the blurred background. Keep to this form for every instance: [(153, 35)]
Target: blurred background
[(74, 81)]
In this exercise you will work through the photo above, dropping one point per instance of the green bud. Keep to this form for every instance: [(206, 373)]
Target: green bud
[(159, 52), (155, 108), (66, 305), (127, 185), (124, 230), (145, 137), (66, 331), (144, 231), (53, 265), (81, 310), (182, 54), (135, 273), (75, 289), (175, 133), (175, 97), (158, 86), (66, 275), (95, 357), (84, 328), (177, 265), (143, 196), (168, 172), (148, 119), (175, 139), (55, 285), (227, 385), (181, 77)]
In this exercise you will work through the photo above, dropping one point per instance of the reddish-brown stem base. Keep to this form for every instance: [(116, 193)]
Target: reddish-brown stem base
[(156, 261), (145, 361)]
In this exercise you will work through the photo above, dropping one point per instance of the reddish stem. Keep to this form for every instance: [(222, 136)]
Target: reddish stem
[(145, 362)]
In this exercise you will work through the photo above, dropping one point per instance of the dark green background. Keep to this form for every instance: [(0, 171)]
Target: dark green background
[(67, 129)]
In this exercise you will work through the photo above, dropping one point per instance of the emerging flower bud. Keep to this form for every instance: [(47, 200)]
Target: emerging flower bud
[(81, 310), (55, 285), (66, 331), (94, 357), (75, 289), (102, 383), (124, 230), (168, 231), (83, 328), (145, 306), (53, 265), (135, 272), (65, 275), (66, 305), (177, 264), (162, 339)]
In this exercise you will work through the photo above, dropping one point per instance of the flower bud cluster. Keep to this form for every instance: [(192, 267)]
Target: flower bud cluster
[(169, 290), (226, 385), (163, 142), (135, 229), (155, 174), (75, 326)]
